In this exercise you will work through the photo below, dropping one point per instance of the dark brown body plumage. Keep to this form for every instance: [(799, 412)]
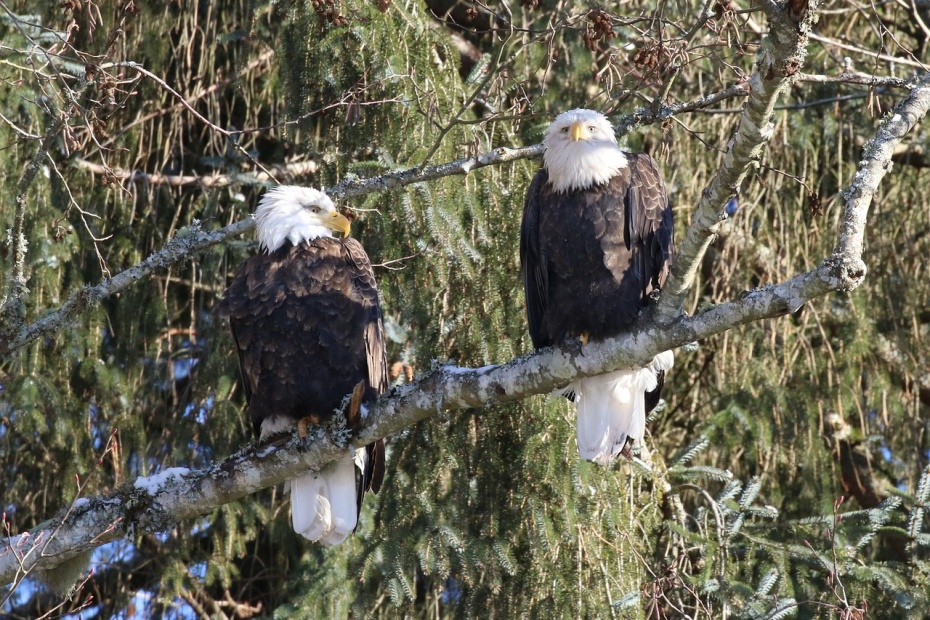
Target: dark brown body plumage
[(307, 325), (592, 257)]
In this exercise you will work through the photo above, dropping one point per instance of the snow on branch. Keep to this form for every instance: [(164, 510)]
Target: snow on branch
[(177, 495), (780, 59)]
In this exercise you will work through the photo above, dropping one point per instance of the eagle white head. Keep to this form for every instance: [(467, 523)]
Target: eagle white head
[(296, 214), (581, 150)]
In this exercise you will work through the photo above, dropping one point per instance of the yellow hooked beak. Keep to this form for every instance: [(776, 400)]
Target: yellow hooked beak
[(579, 131), (338, 222)]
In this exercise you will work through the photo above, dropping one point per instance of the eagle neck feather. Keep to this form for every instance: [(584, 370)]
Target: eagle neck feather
[(582, 165), (282, 222)]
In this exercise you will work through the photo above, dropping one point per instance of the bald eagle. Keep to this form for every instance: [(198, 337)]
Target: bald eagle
[(307, 325), (595, 247)]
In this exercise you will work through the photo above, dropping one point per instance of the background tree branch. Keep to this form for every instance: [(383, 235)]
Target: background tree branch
[(781, 58), (281, 173)]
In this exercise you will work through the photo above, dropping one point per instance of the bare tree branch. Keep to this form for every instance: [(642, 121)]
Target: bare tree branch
[(162, 501), (876, 161), (855, 77), (780, 58), (646, 116), (861, 50), (290, 171), (408, 176)]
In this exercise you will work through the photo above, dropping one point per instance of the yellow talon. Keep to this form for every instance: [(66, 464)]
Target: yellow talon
[(355, 404)]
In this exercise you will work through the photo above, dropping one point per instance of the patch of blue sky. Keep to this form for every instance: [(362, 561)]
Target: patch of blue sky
[(112, 552), (181, 367), (198, 571)]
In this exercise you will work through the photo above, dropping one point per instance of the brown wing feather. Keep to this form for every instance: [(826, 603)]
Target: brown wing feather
[(534, 264), (248, 377), (650, 221), (652, 224), (374, 331), (376, 354)]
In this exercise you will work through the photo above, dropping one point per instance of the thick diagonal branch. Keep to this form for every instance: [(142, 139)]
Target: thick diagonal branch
[(148, 506), (780, 59), (875, 163)]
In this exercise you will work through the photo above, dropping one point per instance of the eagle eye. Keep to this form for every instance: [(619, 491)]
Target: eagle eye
[(592, 128), (314, 209), (564, 129)]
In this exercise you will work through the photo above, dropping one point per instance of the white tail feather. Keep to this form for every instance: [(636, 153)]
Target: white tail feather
[(663, 361), (323, 503), (612, 407)]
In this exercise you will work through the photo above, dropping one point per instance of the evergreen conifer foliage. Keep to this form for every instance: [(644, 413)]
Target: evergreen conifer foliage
[(733, 509)]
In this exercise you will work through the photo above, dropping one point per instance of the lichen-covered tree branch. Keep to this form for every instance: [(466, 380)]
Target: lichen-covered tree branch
[(781, 57)]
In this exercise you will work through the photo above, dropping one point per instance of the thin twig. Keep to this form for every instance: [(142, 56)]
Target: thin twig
[(867, 52), (229, 135)]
